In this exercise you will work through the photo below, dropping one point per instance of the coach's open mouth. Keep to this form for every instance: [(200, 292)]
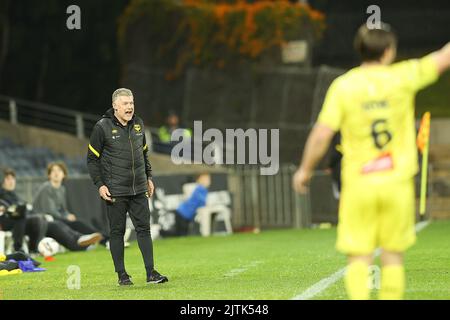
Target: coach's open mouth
[(129, 112)]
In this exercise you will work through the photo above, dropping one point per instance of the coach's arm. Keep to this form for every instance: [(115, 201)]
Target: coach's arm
[(318, 142), (93, 161), (148, 169)]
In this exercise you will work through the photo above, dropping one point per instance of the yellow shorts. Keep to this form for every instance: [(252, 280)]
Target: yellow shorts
[(376, 215)]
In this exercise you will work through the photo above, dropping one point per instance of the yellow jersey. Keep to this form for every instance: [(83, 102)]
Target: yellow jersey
[(373, 107)]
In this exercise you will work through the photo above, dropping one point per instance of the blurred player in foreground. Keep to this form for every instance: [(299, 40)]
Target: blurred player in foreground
[(373, 107)]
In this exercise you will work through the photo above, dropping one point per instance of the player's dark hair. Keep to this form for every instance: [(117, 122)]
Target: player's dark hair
[(8, 172), (370, 44), (59, 164)]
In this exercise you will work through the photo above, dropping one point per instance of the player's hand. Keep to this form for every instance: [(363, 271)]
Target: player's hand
[(104, 193), (301, 180), (150, 187), (71, 217)]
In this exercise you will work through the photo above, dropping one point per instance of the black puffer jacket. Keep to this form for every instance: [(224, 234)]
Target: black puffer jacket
[(117, 156)]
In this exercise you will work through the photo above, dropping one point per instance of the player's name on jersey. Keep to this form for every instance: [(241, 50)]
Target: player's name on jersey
[(381, 104)]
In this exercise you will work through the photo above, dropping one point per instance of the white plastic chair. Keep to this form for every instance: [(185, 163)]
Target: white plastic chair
[(204, 214), (2, 242), (6, 242)]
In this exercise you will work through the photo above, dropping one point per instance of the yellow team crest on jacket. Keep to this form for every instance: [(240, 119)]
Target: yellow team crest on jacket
[(137, 127)]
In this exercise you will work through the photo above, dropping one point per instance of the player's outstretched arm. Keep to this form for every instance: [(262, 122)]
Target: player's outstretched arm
[(442, 58), (316, 146)]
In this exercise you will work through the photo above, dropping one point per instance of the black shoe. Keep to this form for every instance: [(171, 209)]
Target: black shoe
[(125, 280), (155, 277), (22, 256)]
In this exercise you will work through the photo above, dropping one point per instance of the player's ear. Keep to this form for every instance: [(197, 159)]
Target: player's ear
[(391, 53), (394, 53)]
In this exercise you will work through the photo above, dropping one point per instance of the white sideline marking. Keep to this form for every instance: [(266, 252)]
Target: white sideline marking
[(235, 272), (320, 286), (421, 225), (323, 284)]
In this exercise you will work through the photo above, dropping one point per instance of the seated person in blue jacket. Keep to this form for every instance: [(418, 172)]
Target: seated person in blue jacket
[(51, 199), (186, 211)]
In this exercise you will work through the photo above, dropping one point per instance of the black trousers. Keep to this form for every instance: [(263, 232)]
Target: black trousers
[(35, 227), (82, 228), (137, 207), (17, 227), (181, 225), (180, 229), (64, 235)]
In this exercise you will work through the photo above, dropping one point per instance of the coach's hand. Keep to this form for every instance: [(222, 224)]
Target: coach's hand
[(150, 187), (104, 193), (300, 181)]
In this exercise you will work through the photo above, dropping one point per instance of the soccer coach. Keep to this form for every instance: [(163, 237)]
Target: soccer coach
[(118, 165)]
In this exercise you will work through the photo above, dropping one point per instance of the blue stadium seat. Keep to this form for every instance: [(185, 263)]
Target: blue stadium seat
[(32, 161)]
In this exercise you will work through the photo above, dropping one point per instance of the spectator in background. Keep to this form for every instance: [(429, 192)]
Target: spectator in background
[(186, 211), (23, 221), (172, 123), (13, 215), (51, 199)]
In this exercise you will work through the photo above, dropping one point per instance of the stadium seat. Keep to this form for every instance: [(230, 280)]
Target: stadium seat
[(5, 242), (2, 242), (32, 161), (216, 210), (205, 216)]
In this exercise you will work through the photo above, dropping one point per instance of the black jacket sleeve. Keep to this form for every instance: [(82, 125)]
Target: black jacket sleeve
[(148, 166), (94, 154)]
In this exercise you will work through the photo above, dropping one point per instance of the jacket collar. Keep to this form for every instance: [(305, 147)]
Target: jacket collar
[(110, 114)]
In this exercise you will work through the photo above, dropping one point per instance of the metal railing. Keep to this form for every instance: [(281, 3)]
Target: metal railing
[(46, 116), (257, 201), (19, 111), (267, 201)]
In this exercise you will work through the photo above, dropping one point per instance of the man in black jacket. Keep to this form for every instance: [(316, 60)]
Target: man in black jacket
[(13, 214), (118, 165)]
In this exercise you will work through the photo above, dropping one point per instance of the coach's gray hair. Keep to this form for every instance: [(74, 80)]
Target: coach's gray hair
[(121, 92)]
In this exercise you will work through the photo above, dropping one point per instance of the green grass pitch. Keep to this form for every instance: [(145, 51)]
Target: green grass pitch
[(276, 264)]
